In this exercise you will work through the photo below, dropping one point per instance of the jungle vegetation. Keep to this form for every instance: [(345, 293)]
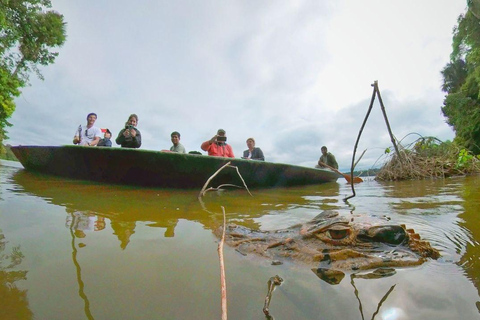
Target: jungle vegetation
[(428, 157), (461, 80), (28, 34)]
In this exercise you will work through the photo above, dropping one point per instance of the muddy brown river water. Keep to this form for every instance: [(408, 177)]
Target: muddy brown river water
[(83, 250)]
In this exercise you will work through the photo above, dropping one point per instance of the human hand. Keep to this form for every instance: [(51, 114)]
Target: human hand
[(214, 138), (76, 140), (133, 133)]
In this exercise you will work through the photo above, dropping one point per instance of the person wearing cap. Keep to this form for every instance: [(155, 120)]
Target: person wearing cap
[(253, 153), (105, 142), (177, 146), (217, 146), (88, 135)]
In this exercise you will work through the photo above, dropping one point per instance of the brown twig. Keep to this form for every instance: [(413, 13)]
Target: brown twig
[(244, 184), (204, 189), (222, 270), (220, 187), (210, 179)]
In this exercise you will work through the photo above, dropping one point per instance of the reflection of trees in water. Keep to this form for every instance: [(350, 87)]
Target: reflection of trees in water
[(13, 301), (470, 260)]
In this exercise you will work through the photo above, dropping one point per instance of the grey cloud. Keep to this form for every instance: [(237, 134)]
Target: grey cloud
[(252, 68)]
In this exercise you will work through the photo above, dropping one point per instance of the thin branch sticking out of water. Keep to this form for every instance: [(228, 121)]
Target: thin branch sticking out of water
[(222, 269), (204, 189)]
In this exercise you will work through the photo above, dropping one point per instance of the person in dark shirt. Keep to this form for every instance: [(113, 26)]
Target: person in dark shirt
[(328, 159), (130, 136), (252, 152), (105, 142)]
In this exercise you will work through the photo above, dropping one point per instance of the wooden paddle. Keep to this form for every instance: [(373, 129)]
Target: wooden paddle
[(346, 176)]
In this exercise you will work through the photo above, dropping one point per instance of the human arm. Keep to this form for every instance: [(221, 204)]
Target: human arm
[(129, 140), (137, 139), (205, 145), (76, 137), (121, 137), (97, 135), (258, 155), (94, 142), (229, 152), (321, 162), (332, 161)]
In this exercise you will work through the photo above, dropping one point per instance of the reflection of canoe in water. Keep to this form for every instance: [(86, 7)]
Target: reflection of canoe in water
[(162, 169)]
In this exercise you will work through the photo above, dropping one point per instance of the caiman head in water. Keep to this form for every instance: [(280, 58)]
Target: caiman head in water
[(334, 244)]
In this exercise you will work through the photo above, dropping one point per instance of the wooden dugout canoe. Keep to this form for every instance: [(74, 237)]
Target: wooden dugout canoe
[(162, 169)]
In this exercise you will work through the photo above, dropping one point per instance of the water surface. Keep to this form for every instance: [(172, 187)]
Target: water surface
[(98, 251)]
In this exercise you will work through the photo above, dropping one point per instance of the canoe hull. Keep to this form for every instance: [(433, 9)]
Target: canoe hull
[(162, 169)]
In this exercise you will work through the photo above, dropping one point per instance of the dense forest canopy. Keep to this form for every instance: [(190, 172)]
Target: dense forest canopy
[(28, 33), (461, 80)]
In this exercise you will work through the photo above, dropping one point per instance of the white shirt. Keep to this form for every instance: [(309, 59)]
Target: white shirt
[(87, 135)]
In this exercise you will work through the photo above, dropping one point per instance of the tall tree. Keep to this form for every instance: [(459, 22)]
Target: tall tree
[(28, 33), (461, 80)]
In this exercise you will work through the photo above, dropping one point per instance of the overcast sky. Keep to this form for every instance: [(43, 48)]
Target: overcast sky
[(295, 75)]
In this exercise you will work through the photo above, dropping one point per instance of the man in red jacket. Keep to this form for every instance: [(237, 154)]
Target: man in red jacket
[(217, 146)]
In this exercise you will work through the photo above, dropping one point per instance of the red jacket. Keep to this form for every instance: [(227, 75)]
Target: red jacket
[(223, 150)]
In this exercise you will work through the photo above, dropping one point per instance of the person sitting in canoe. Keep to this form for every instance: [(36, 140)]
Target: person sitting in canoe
[(328, 159), (253, 153), (88, 135), (105, 142), (217, 146), (177, 146), (130, 136)]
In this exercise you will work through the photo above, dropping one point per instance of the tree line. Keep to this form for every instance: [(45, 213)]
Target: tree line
[(28, 34), (461, 80)]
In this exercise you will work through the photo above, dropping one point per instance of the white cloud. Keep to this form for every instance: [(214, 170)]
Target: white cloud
[(295, 75)]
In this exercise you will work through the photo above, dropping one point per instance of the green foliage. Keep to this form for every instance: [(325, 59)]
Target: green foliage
[(461, 81), (454, 75), (464, 158), (433, 147), (28, 33), (7, 153)]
